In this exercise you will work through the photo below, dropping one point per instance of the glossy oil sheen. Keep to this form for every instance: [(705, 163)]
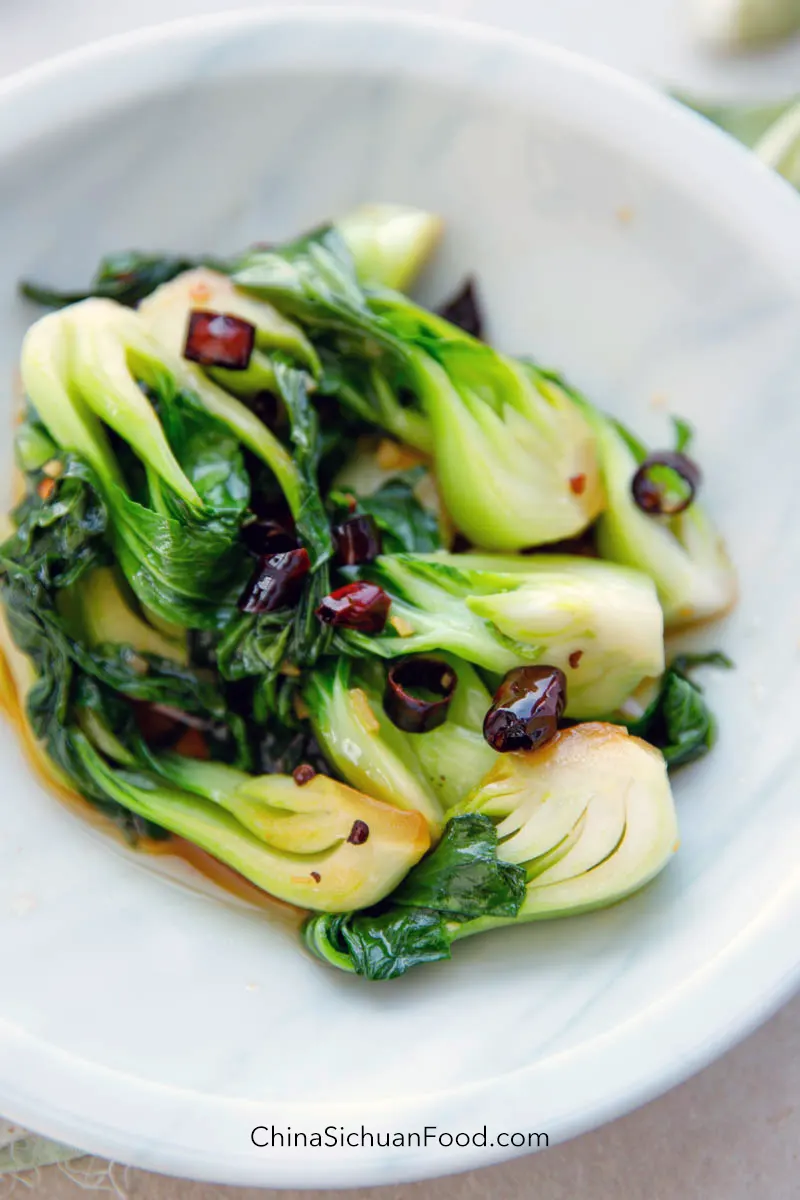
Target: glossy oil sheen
[(276, 582), (526, 707), (361, 606), (357, 540), (403, 702), (611, 234)]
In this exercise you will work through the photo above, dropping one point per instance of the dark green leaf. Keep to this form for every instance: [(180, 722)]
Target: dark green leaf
[(282, 746), (405, 523), (386, 945), (58, 540), (310, 272), (187, 570), (680, 722), (254, 645), (683, 663), (260, 645), (149, 677), (189, 567), (687, 726), (50, 701), (127, 278), (459, 880), (311, 520), (62, 534), (208, 453), (463, 875), (312, 279), (347, 379), (370, 389), (257, 646), (40, 632), (117, 714), (684, 434), (310, 638)]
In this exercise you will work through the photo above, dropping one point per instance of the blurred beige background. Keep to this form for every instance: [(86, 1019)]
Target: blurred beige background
[(733, 1132)]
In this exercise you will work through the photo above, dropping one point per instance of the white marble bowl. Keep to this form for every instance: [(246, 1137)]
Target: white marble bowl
[(614, 235)]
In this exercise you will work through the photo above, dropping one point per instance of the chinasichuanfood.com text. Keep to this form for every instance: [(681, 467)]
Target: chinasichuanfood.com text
[(334, 1137)]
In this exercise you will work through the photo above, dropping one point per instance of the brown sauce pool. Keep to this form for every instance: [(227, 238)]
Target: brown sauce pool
[(175, 859)]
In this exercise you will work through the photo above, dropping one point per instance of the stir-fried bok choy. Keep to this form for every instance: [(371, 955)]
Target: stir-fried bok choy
[(371, 612)]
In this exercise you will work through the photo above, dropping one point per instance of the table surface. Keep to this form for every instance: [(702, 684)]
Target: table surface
[(731, 1132)]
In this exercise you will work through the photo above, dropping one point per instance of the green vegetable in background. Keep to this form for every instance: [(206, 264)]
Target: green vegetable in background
[(600, 623), (779, 147), (772, 131), (744, 24), (745, 122)]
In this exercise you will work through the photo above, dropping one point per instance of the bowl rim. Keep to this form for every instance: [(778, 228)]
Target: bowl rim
[(90, 1105)]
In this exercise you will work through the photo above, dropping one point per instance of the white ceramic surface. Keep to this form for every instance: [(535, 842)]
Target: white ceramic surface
[(613, 234)]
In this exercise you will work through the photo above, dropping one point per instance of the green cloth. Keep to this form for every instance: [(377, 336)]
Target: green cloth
[(25, 1152)]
